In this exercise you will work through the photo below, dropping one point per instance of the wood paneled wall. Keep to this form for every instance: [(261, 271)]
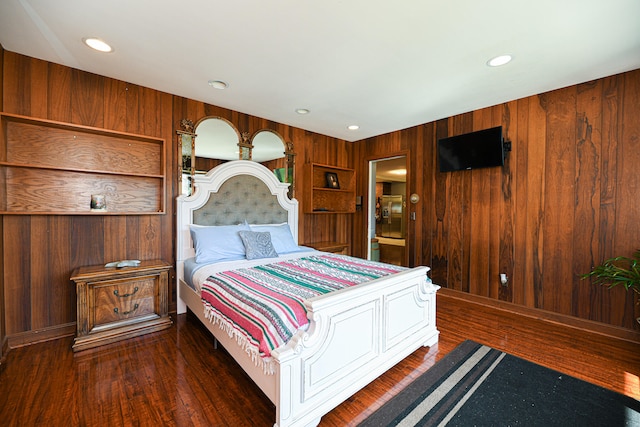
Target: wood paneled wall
[(566, 199), (38, 253)]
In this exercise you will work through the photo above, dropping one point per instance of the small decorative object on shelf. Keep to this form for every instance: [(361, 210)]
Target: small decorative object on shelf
[(98, 203), (332, 180)]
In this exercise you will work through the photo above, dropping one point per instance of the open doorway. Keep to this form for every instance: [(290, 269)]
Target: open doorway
[(387, 229)]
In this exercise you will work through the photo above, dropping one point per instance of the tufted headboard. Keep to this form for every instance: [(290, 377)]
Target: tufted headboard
[(241, 198), (230, 194)]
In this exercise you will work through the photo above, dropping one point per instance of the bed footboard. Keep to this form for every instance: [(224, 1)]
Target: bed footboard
[(355, 335)]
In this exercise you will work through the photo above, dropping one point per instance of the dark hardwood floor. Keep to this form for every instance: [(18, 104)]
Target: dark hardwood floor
[(176, 377)]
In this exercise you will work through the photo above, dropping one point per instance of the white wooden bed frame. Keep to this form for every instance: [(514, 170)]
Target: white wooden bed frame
[(354, 335)]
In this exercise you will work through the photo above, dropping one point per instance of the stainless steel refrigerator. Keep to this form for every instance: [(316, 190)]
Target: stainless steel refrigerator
[(392, 224)]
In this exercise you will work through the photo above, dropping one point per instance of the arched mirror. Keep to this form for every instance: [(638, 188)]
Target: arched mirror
[(217, 141), (269, 148), (267, 145)]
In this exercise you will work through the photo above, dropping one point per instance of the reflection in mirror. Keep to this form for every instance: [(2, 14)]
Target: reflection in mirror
[(267, 145), (270, 149), (217, 139)]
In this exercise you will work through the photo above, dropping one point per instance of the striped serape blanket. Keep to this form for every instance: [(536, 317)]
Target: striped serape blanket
[(263, 306)]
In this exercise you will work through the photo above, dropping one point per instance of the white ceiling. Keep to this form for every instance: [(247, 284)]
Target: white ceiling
[(383, 65)]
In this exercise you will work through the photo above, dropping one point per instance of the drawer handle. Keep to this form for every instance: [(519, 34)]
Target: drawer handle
[(124, 313), (116, 293)]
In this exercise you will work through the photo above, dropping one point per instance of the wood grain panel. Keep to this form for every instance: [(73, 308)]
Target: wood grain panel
[(587, 200), (559, 197), (42, 302), (63, 303), (628, 206), (535, 143), (115, 100), (480, 209), (437, 234), (87, 107), (519, 167), (426, 156), (506, 203), (16, 88), (496, 220), (39, 82), (17, 274), (59, 90)]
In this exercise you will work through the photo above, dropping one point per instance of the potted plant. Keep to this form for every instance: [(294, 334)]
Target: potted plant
[(618, 271)]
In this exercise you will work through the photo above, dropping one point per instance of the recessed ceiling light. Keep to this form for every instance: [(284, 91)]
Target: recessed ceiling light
[(499, 60), (398, 172), (218, 84), (97, 44), (353, 127), (302, 111)]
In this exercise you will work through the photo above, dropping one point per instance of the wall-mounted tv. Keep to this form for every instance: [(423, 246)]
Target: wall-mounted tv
[(480, 149)]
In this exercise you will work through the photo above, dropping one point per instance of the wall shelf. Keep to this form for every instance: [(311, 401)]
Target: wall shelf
[(53, 168), (321, 199)]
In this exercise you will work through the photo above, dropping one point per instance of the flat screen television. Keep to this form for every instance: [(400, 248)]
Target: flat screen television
[(480, 149)]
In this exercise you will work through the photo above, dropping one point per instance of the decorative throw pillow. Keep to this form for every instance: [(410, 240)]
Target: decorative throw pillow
[(257, 244)]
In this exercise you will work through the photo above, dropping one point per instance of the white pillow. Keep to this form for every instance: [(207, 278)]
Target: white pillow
[(217, 243), (281, 237)]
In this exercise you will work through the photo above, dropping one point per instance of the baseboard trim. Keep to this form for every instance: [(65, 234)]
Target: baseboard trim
[(22, 339), (547, 316)]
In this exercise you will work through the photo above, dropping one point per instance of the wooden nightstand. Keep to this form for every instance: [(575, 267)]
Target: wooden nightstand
[(334, 247), (120, 303)]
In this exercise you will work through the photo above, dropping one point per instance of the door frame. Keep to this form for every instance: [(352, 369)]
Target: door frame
[(371, 197)]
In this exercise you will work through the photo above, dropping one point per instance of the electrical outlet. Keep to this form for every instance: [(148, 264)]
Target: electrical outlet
[(504, 279)]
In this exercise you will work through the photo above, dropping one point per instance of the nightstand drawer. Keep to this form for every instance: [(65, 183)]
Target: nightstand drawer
[(124, 299)]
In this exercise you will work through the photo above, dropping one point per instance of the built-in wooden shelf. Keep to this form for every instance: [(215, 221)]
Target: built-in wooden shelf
[(53, 168), (322, 199)]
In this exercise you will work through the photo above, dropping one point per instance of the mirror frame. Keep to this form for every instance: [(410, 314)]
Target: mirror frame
[(186, 156)]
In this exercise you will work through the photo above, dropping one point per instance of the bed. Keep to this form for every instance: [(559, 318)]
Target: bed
[(353, 334)]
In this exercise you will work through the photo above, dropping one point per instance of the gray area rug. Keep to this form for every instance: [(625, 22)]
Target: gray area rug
[(476, 385)]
